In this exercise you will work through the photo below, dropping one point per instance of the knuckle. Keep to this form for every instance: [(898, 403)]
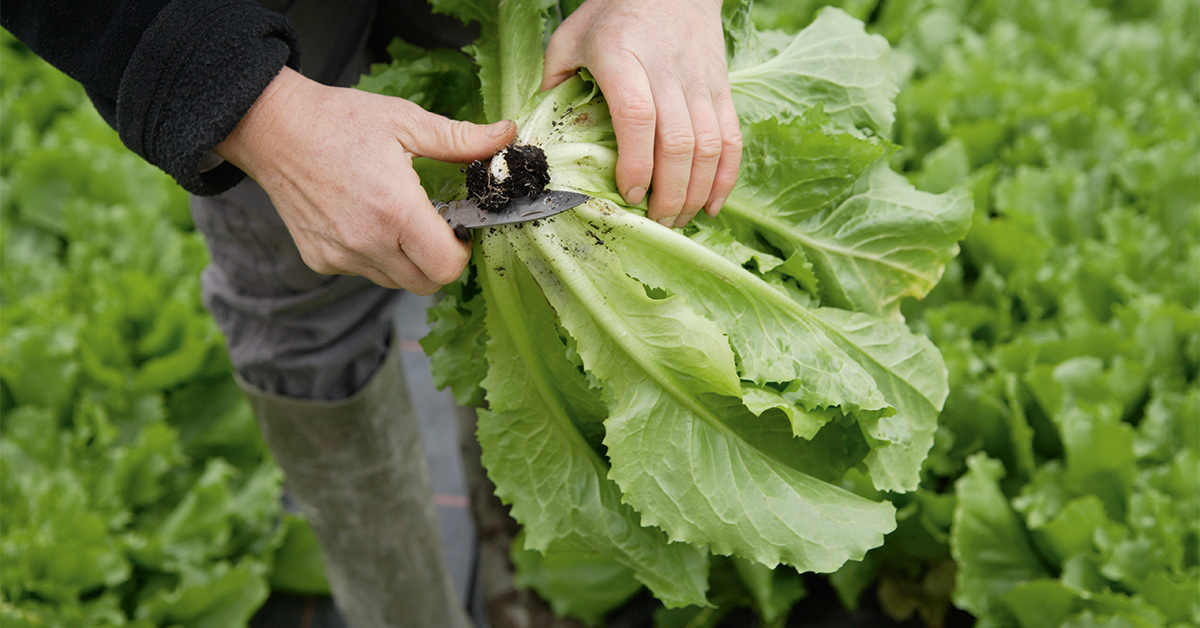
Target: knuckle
[(339, 261), (402, 117), (321, 266), (443, 274), (318, 261), (732, 142), (721, 93), (355, 242), (407, 235), (561, 48), (635, 110), (556, 48), (678, 142), (461, 133), (709, 146)]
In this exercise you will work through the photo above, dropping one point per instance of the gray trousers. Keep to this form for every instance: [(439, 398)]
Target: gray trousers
[(290, 331), (312, 353)]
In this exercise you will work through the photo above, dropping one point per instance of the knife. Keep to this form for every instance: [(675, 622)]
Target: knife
[(468, 214)]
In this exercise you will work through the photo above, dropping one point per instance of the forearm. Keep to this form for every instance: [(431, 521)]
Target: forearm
[(265, 127)]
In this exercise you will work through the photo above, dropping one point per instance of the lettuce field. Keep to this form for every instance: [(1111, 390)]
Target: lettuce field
[(939, 353), (135, 488)]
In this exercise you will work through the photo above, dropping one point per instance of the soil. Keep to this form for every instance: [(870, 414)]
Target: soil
[(528, 176)]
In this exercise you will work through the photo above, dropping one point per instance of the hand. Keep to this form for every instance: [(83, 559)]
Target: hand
[(661, 66), (337, 164)]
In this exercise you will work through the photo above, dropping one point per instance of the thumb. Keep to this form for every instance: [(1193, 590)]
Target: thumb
[(443, 139)]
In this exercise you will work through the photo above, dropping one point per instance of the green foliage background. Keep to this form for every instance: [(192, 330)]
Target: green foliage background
[(1064, 484), (135, 489)]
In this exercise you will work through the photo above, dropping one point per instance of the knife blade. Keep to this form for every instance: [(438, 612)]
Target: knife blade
[(468, 214)]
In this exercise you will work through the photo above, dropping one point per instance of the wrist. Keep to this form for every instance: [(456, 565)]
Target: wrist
[(261, 127)]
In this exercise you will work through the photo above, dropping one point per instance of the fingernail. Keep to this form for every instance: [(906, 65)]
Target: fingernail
[(714, 207), (635, 195), (667, 221), (500, 129)]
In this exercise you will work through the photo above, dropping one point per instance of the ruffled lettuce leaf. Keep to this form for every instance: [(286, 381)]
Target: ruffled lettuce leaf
[(832, 63), (538, 458), (656, 396)]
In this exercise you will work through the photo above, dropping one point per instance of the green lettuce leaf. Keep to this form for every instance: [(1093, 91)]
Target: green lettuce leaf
[(989, 542), (654, 396), (871, 238), (583, 586), (832, 62), (563, 494), (115, 395), (670, 374), (508, 52)]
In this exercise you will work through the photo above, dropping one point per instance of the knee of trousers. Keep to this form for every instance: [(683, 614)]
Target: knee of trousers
[(289, 330)]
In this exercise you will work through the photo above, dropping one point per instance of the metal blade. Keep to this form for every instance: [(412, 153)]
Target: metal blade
[(468, 214)]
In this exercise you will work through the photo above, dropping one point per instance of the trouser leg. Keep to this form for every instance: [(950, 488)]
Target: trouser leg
[(357, 468), (313, 353)]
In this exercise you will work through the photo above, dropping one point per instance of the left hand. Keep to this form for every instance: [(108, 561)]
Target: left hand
[(661, 66)]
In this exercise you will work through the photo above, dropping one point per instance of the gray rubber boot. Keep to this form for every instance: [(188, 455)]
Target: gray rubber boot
[(357, 468)]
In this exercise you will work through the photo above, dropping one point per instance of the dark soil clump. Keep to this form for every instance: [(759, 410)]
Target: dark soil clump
[(528, 176)]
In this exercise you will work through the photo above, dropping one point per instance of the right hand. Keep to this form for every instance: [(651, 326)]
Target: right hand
[(337, 164)]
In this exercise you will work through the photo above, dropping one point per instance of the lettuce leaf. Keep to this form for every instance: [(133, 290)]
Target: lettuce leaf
[(656, 396)]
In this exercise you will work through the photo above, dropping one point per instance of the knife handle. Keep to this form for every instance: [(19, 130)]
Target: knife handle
[(460, 231)]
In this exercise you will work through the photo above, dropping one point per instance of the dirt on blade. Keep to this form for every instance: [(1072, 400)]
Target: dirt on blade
[(523, 174)]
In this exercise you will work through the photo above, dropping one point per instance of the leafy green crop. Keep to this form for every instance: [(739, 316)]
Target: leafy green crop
[(1062, 482), (136, 489), (657, 397), (1063, 488)]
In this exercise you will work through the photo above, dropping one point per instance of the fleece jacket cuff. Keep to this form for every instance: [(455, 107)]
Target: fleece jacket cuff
[(193, 75)]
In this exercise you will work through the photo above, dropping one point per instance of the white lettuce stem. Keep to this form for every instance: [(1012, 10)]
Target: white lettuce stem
[(572, 276), (595, 155), (502, 295), (633, 226)]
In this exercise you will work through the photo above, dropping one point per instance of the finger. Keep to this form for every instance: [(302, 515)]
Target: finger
[(438, 137), (373, 253), (389, 266), (731, 154), (561, 58), (631, 102), (674, 146), (706, 154), (423, 239), (379, 277)]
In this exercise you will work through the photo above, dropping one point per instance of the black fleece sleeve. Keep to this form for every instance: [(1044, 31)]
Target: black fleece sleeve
[(173, 77)]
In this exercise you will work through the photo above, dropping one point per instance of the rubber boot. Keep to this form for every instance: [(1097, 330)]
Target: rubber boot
[(357, 469)]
